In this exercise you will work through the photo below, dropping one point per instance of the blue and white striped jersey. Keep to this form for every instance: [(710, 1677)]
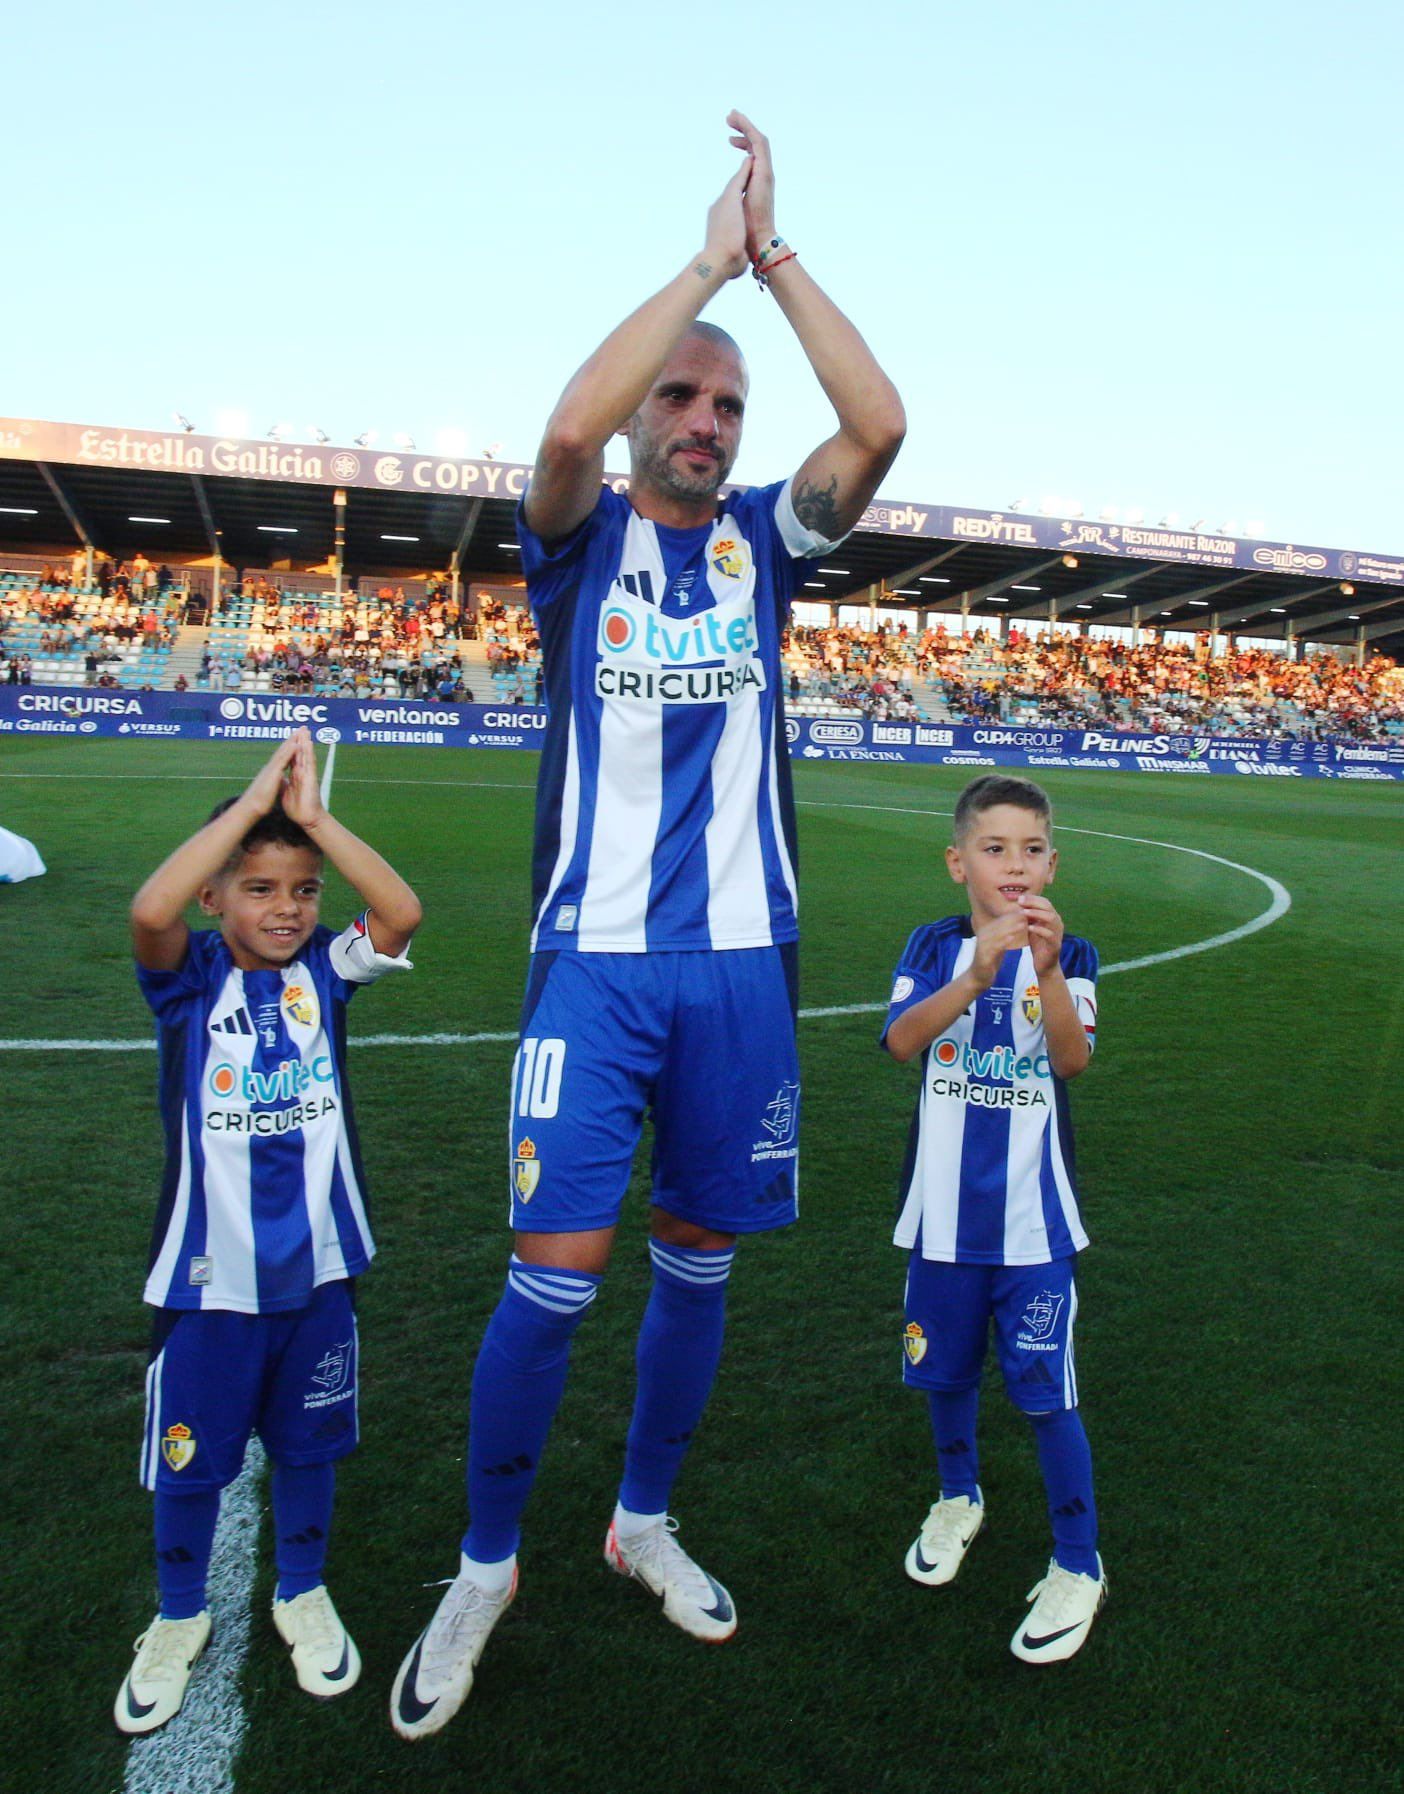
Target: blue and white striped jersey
[(263, 1196), (989, 1174), (664, 818)]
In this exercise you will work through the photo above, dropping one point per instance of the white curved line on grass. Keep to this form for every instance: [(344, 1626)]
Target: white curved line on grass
[(1280, 904)]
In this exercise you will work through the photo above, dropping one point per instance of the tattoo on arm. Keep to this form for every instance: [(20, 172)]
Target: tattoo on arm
[(817, 507), (703, 270)]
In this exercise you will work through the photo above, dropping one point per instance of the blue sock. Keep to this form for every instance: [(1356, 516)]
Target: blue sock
[(302, 1511), (679, 1349), (517, 1386), (185, 1526), (953, 1415), (1065, 1459)]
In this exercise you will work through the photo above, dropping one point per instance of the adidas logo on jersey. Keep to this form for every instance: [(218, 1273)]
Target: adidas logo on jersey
[(238, 1023)]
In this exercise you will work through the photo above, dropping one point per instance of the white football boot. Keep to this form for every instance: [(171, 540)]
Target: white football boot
[(435, 1678), (324, 1658), (1064, 1607), (691, 1598), (154, 1687), (946, 1535)]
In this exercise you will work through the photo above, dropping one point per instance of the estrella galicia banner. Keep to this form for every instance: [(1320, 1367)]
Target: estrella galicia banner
[(409, 722)]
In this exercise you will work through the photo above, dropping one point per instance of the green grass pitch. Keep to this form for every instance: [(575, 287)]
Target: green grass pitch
[(1240, 1154)]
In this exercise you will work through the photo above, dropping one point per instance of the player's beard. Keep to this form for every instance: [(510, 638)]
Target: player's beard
[(655, 464)]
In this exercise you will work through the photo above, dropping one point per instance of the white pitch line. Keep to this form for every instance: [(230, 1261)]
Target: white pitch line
[(327, 776), (196, 1752), (1280, 904)]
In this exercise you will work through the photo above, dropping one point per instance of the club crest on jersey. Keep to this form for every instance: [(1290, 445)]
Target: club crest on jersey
[(1041, 1315), (731, 557), (1032, 1005), (178, 1446), (902, 989), (526, 1170), (300, 1003), (914, 1343)]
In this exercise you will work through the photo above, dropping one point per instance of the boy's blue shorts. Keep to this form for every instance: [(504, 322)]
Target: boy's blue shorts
[(704, 1040), (948, 1313), (215, 1377)]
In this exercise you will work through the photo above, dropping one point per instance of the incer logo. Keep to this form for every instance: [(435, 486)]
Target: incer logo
[(224, 1079), (231, 708), (946, 1052), (618, 629)]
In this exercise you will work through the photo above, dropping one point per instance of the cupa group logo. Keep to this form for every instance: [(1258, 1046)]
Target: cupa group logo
[(231, 708)]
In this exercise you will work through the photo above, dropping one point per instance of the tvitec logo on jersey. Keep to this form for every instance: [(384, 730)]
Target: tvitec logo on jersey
[(704, 659)]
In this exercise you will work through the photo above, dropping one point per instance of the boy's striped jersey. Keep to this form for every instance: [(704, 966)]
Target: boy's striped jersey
[(989, 1174), (664, 818), (263, 1197)]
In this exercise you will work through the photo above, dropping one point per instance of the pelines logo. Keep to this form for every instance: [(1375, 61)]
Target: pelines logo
[(526, 1170), (178, 1446), (914, 1343)]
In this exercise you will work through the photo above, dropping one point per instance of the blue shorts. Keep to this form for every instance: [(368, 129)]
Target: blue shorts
[(704, 1040), (215, 1377), (948, 1312)]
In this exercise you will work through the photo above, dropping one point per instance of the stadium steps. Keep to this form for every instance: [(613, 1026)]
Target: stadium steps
[(185, 656)]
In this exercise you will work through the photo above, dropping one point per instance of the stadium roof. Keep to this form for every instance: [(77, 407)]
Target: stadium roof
[(181, 496)]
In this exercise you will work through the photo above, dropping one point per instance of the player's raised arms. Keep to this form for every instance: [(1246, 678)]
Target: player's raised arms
[(835, 484), (613, 383)]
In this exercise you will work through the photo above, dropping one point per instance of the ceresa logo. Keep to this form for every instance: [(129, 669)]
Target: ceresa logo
[(837, 734), (232, 709)]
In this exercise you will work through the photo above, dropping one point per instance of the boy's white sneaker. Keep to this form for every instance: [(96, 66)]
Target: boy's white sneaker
[(435, 1678), (326, 1661), (154, 1687), (946, 1535), (691, 1598), (1064, 1607)]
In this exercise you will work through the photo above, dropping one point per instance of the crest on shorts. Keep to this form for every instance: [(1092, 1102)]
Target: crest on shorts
[(730, 557), (178, 1446), (1041, 1315), (526, 1170), (1032, 1005), (300, 1001), (914, 1343)]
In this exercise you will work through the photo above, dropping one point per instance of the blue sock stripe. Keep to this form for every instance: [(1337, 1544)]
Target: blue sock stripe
[(562, 1292), (691, 1264)]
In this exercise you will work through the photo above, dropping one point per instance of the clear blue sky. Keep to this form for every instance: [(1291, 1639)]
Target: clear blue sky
[(1136, 256)]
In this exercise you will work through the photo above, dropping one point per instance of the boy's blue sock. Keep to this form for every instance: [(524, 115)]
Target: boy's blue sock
[(677, 1355), (953, 1416), (185, 1526), (517, 1386), (1065, 1459), (302, 1511)]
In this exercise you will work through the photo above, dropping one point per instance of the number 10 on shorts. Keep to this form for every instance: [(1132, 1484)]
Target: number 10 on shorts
[(537, 1077)]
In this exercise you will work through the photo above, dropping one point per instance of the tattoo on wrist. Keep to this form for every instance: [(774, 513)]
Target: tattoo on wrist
[(703, 270), (817, 506)]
